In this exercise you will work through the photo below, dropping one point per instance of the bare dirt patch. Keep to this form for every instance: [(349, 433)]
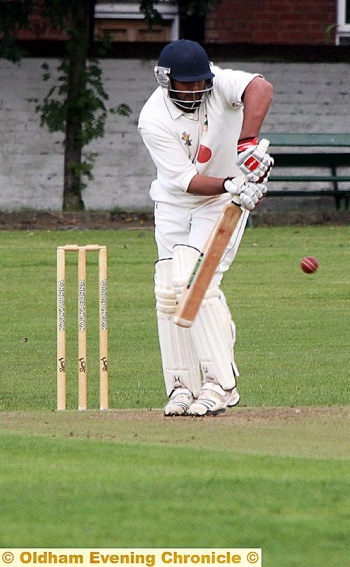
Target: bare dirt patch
[(241, 415), (302, 432), (90, 220), (37, 220)]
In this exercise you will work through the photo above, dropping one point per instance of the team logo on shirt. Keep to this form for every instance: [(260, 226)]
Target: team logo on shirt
[(186, 138)]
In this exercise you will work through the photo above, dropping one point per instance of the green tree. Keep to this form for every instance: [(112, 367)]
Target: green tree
[(77, 105)]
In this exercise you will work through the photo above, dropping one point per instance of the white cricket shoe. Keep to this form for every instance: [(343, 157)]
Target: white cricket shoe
[(213, 400), (179, 402)]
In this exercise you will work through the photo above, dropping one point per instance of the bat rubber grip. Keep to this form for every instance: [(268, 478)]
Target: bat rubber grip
[(263, 145)]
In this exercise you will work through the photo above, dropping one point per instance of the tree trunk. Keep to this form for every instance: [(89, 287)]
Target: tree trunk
[(78, 47)]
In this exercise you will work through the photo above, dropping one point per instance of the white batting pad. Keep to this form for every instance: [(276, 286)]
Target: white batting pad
[(213, 334), (179, 360)]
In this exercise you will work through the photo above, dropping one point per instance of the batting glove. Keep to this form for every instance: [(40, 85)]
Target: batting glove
[(248, 192), (255, 163)]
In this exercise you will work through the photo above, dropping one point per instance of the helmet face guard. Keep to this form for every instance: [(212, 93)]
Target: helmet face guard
[(192, 99), (187, 62)]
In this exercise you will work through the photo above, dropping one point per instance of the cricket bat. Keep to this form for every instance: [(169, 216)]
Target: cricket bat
[(208, 261)]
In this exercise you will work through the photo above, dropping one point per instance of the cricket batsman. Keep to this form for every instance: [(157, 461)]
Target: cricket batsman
[(201, 128)]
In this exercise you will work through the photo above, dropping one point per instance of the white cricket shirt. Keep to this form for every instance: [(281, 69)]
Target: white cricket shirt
[(183, 144)]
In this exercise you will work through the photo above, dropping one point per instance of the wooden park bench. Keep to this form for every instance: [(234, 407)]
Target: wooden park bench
[(316, 151)]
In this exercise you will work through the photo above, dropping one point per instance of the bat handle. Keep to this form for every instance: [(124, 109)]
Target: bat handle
[(263, 145)]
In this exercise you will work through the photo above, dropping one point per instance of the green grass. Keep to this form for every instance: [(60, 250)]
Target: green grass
[(272, 474), (292, 331), (86, 492), (114, 477)]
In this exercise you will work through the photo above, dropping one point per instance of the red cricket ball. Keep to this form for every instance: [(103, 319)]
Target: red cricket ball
[(309, 265)]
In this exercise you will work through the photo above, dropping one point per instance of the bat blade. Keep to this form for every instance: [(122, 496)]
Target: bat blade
[(206, 265)]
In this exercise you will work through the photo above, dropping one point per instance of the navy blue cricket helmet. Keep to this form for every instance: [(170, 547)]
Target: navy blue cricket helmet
[(186, 61)]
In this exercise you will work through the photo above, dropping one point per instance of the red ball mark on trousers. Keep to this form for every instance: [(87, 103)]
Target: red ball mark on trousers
[(204, 154)]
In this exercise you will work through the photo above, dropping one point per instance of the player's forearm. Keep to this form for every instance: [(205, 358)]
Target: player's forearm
[(206, 186), (257, 101)]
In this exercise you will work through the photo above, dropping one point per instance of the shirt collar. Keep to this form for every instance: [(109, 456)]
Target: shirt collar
[(174, 111)]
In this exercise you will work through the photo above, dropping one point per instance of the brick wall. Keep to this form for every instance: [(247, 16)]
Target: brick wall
[(271, 22), (289, 22)]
